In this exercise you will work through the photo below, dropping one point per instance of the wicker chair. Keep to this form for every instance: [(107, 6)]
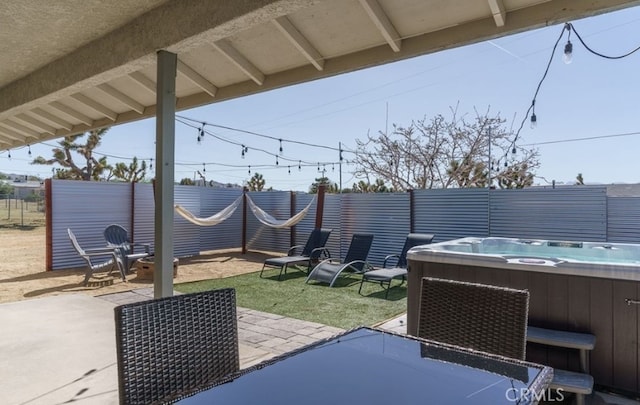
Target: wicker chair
[(477, 316), (169, 346)]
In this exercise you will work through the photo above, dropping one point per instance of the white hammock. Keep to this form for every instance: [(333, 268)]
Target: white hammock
[(212, 220), (277, 223)]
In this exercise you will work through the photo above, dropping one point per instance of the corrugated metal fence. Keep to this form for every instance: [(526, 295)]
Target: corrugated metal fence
[(567, 213)]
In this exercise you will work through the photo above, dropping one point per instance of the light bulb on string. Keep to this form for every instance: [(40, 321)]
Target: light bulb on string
[(242, 151), (204, 168), (277, 163), (200, 134), (9, 154), (280, 146), (513, 151), (568, 47), (534, 121), (299, 165), (318, 167), (333, 167), (151, 164), (29, 152), (289, 169), (568, 53), (249, 169)]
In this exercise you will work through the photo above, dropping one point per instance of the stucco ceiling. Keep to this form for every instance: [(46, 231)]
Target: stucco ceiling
[(74, 65)]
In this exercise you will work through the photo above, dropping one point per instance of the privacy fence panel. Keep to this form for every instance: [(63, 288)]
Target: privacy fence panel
[(263, 237), (186, 236), (451, 213), (308, 223), (385, 215), (86, 208), (623, 219), (567, 213), (144, 217), (332, 219), (227, 234)]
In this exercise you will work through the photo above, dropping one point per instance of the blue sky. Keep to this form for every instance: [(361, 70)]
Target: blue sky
[(591, 97)]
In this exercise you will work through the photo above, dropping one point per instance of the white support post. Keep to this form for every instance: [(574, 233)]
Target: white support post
[(165, 162)]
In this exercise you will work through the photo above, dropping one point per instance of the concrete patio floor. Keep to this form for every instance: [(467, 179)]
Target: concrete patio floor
[(61, 349)]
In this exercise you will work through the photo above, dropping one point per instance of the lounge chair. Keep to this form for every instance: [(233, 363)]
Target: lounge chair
[(477, 316), (110, 258), (328, 270), (385, 275), (312, 251), (168, 346), (116, 237)]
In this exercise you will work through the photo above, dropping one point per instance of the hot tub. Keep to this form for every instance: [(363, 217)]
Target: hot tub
[(575, 286)]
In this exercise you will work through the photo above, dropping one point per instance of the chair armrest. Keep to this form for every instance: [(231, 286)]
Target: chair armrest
[(364, 267), (104, 250), (384, 264), (146, 246), (293, 249), (317, 252)]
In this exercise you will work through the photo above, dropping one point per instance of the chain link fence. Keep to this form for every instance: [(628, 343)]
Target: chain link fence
[(22, 210)]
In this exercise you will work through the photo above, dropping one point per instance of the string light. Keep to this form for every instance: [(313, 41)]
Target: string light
[(204, 168), (151, 164), (280, 146), (249, 169), (299, 165), (9, 154), (289, 169), (277, 163), (201, 133), (243, 151), (29, 152)]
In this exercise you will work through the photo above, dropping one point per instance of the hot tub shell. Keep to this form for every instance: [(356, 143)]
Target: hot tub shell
[(568, 291)]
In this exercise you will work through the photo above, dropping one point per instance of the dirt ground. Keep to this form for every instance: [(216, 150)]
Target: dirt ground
[(23, 272)]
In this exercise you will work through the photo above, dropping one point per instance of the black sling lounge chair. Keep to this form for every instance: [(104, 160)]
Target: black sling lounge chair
[(328, 270), (385, 275), (312, 251)]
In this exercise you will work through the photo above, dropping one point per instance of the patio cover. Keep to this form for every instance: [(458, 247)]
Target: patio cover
[(75, 65)]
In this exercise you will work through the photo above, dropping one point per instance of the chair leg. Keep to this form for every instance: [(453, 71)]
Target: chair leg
[(361, 282), (87, 275), (263, 266), (281, 269)]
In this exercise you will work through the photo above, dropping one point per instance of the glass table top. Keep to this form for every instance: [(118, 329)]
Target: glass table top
[(374, 367)]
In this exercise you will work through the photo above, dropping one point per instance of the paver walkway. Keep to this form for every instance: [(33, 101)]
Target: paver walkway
[(262, 335)]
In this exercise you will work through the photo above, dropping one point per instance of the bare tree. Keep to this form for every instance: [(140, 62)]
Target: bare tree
[(445, 153)]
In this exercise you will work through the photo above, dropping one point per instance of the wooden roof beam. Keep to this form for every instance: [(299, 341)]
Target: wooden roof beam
[(121, 97), (71, 112), (52, 118), (37, 123), (298, 40), (94, 105), (382, 22), (239, 60), (498, 11), (197, 78)]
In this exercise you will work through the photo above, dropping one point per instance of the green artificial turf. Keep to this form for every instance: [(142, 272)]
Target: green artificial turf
[(340, 306)]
